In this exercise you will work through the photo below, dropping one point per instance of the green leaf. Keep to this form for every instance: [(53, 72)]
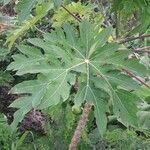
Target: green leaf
[(31, 61), (101, 39), (121, 80), (101, 107), (144, 119), (143, 93), (48, 91), (18, 115), (3, 53), (5, 77), (86, 93), (24, 8), (80, 51), (27, 24), (125, 107), (134, 66), (23, 103), (20, 102), (52, 50)]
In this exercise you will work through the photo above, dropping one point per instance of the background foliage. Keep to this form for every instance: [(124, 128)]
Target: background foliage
[(77, 60)]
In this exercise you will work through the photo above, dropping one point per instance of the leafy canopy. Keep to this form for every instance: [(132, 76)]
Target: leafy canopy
[(41, 10), (86, 52), (61, 16)]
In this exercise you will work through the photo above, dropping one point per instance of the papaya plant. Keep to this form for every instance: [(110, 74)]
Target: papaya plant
[(84, 74), (82, 51)]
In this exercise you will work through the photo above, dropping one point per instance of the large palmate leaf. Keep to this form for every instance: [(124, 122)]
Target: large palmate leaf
[(85, 51)]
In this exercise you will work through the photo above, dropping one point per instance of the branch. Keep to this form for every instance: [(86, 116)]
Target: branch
[(39, 30), (137, 78), (143, 49), (81, 125), (128, 39), (138, 50), (78, 19)]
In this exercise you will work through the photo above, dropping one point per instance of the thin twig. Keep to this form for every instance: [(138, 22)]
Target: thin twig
[(78, 19), (138, 50), (39, 30), (137, 78), (81, 125), (133, 38), (142, 49)]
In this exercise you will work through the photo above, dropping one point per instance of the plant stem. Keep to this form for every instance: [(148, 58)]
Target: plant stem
[(81, 125), (138, 50), (128, 39), (39, 30), (143, 49), (137, 78), (78, 19)]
